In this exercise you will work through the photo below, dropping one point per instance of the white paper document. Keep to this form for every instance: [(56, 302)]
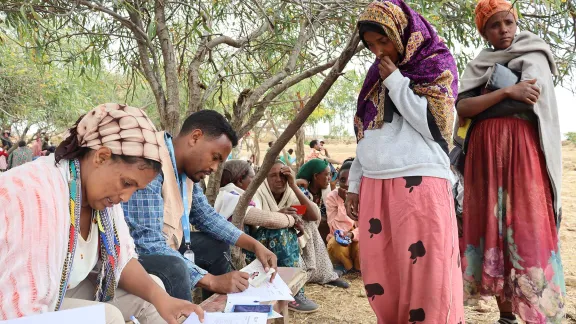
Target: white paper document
[(85, 315), (267, 291), (228, 318), (257, 274)]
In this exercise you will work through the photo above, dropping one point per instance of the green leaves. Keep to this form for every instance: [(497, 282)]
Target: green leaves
[(90, 44), (54, 96), (151, 30)]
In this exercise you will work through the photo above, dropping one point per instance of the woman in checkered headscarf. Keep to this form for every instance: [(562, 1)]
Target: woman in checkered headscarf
[(62, 221)]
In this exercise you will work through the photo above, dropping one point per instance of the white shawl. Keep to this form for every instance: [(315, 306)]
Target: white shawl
[(227, 199), (34, 227), (530, 55)]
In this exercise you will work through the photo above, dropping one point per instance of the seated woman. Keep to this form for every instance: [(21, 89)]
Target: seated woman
[(347, 256), (316, 174), (512, 174), (274, 228), (87, 256)]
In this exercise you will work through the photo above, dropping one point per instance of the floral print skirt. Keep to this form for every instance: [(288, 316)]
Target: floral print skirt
[(510, 246), (282, 242)]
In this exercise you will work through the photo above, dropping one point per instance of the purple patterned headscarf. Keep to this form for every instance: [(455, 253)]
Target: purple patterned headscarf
[(424, 59)]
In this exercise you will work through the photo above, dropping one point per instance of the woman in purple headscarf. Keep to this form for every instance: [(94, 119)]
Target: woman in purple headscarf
[(400, 182)]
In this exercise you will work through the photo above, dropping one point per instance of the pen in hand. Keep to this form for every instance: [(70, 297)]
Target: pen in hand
[(229, 261)]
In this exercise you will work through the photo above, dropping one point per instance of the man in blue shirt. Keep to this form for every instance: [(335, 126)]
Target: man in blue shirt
[(204, 141)]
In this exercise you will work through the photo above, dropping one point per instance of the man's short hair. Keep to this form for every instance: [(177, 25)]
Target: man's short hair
[(313, 143), (211, 123), (21, 143), (290, 151)]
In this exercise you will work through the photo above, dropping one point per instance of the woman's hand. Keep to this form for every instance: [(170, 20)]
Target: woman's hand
[(287, 172), (525, 91), (386, 67), (300, 228), (302, 183), (288, 211), (171, 309), (299, 225), (352, 201), (267, 258)]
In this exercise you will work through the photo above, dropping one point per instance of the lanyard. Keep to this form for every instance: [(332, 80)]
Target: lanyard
[(181, 178)]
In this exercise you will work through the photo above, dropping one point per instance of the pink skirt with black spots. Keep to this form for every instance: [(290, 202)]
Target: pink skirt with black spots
[(409, 250)]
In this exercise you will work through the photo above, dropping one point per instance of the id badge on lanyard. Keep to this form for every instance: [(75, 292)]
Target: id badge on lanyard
[(185, 219), (181, 178), (189, 254)]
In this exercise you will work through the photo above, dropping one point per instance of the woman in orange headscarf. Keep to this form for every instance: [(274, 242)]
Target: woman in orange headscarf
[(512, 172)]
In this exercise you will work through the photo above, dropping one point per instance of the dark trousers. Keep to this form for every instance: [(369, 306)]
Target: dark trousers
[(172, 271), (208, 255)]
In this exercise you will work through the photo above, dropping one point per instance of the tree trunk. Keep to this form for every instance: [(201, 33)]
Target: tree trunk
[(257, 147), (250, 148), (257, 132), (172, 109), (335, 72), (194, 84), (277, 134), (300, 150), (214, 184), (300, 134)]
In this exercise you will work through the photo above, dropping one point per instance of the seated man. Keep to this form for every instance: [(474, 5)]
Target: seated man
[(159, 222), (291, 157), (347, 257), (318, 151)]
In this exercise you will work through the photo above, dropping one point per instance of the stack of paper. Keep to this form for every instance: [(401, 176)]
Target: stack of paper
[(85, 315), (265, 291), (228, 318)]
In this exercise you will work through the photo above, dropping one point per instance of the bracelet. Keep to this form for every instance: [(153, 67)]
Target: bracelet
[(288, 217)]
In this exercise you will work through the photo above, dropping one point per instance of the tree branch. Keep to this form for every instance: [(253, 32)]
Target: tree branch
[(297, 123), (150, 72), (195, 97), (260, 107), (123, 20), (172, 108), (306, 32)]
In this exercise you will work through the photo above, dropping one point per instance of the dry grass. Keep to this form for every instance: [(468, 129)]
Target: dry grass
[(351, 305), (338, 305)]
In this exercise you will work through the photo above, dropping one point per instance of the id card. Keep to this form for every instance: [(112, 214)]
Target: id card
[(252, 309), (257, 278), (189, 255)]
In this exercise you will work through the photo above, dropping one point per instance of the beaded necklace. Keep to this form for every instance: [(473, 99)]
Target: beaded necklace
[(109, 256), (74, 202), (108, 242)]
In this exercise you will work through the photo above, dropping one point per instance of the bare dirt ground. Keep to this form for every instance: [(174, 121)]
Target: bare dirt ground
[(351, 306)]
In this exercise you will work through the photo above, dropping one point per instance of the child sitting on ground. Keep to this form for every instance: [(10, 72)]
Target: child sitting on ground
[(346, 256)]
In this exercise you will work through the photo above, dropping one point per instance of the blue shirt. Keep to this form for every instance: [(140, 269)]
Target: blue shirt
[(144, 213), (291, 158)]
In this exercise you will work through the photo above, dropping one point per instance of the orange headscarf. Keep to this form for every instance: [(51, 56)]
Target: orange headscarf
[(487, 8)]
